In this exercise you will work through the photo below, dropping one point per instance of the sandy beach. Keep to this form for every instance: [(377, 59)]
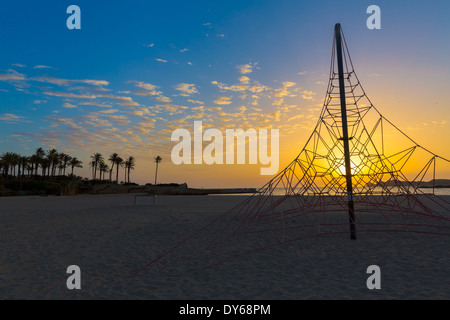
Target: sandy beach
[(109, 238)]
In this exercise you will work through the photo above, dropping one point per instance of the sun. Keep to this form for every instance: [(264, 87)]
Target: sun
[(355, 166)]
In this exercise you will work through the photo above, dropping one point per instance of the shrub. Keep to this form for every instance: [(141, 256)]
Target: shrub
[(33, 186)]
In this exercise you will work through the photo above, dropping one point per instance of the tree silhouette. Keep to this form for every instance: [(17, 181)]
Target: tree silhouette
[(158, 159), (129, 165), (119, 163), (75, 163), (97, 158), (112, 158)]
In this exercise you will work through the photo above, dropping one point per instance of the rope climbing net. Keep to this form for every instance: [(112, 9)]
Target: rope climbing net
[(310, 197)]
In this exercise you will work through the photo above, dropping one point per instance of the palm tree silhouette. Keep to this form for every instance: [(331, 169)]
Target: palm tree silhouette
[(45, 165), (39, 154), (119, 163), (112, 159), (52, 156), (65, 161), (158, 159), (97, 158), (103, 168), (7, 161), (129, 165), (15, 162), (74, 162)]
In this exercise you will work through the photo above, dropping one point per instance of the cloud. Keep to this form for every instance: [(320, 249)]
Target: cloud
[(275, 115), (245, 68), (142, 111), (116, 97), (40, 66), (9, 117), (12, 75), (199, 108), (195, 101), (120, 120), (298, 116), (308, 95), (93, 103), (149, 45), (186, 88), (143, 85), (129, 103), (108, 111), (148, 89), (278, 102), (184, 50), (66, 82), (223, 100), (147, 93), (172, 108), (161, 60), (69, 95), (288, 84), (235, 88), (63, 121), (241, 87), (95, 82), (69, 106), (163, 99), (244, 79), (19, 65), (258, 88)]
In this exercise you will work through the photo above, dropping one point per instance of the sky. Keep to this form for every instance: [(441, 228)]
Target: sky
[(138, 70)]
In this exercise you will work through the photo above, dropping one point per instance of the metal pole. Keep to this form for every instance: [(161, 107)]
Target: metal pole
[(345, 138)]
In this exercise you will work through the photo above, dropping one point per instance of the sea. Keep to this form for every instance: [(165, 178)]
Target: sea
[(281, 192)]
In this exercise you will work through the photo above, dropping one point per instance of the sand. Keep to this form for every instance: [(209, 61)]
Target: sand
[(109, 239)]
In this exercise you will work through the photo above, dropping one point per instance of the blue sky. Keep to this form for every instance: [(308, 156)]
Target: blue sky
[(139, 69)]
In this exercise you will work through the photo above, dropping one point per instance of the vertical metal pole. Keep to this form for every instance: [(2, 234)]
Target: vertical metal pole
[(345, 138)]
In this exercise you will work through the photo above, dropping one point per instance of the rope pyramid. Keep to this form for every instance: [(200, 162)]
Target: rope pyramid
[(310, 198)]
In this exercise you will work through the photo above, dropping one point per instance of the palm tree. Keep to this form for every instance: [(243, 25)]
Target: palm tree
[(52, 156), (92, 165), (34, 161), (65, 162), (131, 161), (96, 158), (75, 163), (112, 159), (118, 162), (7, 159), (125, 167), (39, 155), (103, 168), (45, 164), (23, 163), (15, 161), (60, 162), (158, 159)]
